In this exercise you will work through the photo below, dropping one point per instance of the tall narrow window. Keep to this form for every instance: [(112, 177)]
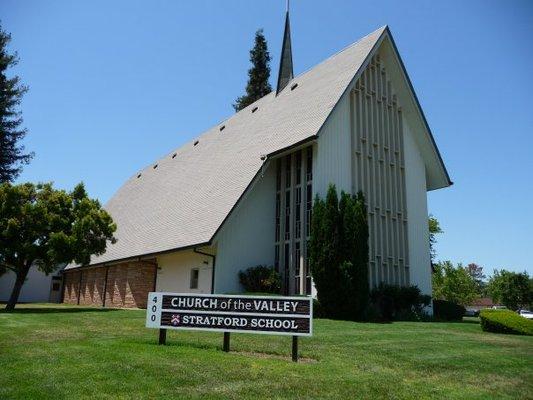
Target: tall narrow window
[(308, 209), (309, 164), (287, 215), (294, 191), (297, 216), (195, 272), (298, 167), (297, 272), (308, 282), (278, 175), (287, 264), (288, 171), (276, 257), (278, 216)]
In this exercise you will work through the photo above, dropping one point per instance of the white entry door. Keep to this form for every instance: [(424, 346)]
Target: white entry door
[(204, 279)]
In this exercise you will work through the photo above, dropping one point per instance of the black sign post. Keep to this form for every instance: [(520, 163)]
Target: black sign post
[(226, 342), (162, 336), (291, 316), (295, 348)]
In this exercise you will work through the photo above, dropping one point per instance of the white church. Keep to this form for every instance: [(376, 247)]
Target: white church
[(240, 194)]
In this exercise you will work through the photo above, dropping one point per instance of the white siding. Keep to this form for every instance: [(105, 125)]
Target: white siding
[(334, 164), (418, 233), (36, 289), (247, 237), (174, 272), (332, 160)]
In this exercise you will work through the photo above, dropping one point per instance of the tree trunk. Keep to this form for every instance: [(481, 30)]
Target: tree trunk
[(22, 272)]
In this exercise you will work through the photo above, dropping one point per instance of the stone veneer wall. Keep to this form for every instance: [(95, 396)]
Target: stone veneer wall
[(128, 285)]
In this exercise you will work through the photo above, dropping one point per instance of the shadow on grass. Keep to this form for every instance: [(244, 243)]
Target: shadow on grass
[(54, 310), (469, 321), (174, 342)]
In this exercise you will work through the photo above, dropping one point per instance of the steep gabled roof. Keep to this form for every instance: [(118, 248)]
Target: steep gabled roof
[(182, 199)]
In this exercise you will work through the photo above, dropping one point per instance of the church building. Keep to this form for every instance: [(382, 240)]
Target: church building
[(241, 194)]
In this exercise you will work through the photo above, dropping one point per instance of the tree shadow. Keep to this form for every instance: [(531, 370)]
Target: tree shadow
[(469, 321), (56, 310)]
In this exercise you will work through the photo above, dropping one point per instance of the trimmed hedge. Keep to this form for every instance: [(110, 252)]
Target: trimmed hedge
[(397, 303), (505, 321), (444, 310)]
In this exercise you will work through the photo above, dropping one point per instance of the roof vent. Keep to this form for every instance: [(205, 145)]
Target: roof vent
[(155, 166), (294, 86), (222, 128), (254, 109), (263, 157), (196, 142), (174, 155)]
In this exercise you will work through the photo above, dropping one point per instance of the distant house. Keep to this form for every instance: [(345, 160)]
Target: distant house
[(38, 287), (241, 194), (480, 304)]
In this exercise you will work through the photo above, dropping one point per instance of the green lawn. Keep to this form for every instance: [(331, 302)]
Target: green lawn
[(60, 352)]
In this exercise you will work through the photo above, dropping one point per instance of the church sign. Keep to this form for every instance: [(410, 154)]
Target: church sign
[(227, 313)]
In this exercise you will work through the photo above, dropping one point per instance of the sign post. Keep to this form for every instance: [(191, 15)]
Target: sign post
[(295, 348), (273, 315), (162, 336), (226, 342)]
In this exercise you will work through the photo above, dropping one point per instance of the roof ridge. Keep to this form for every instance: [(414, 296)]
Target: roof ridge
[(382, 28)]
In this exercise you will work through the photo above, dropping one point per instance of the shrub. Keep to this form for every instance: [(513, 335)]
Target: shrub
[(338, 254), (260, 279), (318, 312), (445, 310), (393, 302), (505, 321)]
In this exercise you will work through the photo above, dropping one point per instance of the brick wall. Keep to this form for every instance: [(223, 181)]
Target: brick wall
[(71, 284), (128, 285)]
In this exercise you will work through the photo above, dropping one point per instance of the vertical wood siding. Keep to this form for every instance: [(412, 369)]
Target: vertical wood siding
[(379, 171)]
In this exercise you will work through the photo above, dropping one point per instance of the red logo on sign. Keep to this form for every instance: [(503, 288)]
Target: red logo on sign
[(175, 320)]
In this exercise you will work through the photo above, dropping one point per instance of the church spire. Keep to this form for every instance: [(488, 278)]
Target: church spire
[(285, 65)]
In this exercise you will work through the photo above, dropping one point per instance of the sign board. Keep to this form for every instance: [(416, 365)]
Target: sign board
[(273, 315)]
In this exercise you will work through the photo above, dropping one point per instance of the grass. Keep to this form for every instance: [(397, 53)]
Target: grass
[(59, 352)]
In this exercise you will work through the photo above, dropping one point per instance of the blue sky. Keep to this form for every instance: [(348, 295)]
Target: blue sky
[(114, 85)]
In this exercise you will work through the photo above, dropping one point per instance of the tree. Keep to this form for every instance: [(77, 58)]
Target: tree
[(434, 229), (513, 290), (354, 249), (258, 85), (42, 226), (476, 272), (339, 254), (453, 284), (12, 156)]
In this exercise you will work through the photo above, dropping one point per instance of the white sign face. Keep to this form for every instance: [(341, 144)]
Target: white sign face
[(273, 315)]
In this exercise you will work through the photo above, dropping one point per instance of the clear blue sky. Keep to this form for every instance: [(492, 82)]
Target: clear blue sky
[(114, 85)]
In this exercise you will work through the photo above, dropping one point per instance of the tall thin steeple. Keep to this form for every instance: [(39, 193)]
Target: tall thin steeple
[(285, 65)]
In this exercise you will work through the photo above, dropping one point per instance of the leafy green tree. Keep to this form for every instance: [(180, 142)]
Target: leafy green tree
[(258, 75), (512, 289), (339, 254), (476, 272), (453, 283), (434, 229), (42, 226), (354, 250), (12, 155)]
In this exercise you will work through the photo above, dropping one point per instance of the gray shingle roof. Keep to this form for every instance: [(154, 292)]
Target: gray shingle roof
[(185, 199)]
